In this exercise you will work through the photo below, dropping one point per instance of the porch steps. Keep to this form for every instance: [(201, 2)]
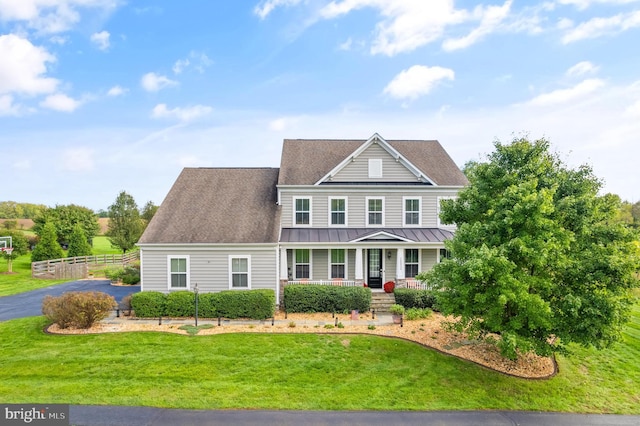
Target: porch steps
[(381, 301)]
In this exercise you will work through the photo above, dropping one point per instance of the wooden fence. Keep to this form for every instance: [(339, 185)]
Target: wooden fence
[(79, 267)]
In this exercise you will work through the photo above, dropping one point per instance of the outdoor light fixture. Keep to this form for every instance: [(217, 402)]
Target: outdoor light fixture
[(389, 254)]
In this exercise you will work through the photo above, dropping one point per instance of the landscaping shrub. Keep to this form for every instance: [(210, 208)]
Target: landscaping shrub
[(149, 304), (316, 298), (410, 298), (206, 305), (389, 286), (125, 304), (114, 274), (417, 313), (180, 304), (131, 274), (78, 309), (254, 304)]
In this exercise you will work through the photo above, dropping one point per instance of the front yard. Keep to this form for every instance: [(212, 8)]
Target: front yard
[(297, 371)]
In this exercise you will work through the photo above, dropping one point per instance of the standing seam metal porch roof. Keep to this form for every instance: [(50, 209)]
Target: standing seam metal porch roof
[(345, 235)]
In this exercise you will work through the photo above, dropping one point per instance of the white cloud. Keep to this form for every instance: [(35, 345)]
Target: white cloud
[(633, 110), (582, 68), (7, 106), (490, 18), (23, 66), (60, 102), (265, 7), (180, 65), (101, 40), (50, 16), (152, 82), (565, 95), (583, 4), (183, 114), (78, 160), (417, 81), (599, 27), (346, 45), (117, 91), (281, 124)]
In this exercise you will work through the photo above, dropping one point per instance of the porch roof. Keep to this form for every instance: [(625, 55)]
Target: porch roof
[(345, 235)]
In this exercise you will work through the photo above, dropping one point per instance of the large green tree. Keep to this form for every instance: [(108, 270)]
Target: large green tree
[(125, 224), (47, 246), (539, 257), (78, 244), (65, 217)]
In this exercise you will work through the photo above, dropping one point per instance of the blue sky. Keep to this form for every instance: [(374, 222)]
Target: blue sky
[(100, 96)]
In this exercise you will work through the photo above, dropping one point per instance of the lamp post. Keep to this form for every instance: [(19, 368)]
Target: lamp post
[(195, 291)]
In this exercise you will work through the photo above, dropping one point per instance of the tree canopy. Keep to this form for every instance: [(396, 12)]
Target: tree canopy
[(125, 224), (64, 218), (539, 257)]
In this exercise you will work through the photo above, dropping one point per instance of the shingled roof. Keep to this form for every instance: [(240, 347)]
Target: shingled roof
[(218, 205), (306, 161)]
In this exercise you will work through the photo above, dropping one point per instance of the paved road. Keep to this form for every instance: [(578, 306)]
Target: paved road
[(29, 304), (145, 416)]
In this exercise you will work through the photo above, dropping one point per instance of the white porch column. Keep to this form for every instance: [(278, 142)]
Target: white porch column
[(359, 269), (284, 272), (400, 264)]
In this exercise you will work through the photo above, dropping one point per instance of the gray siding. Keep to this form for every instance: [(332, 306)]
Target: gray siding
[(428, 259), (358, 169), (209, 268)]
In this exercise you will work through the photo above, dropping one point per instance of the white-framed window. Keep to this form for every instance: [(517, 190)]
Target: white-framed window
[(375, 211), (239, 272), (338, 211), (178, 272), (411, 262), (443, 254), (338, 264), (375, 167), (411, 211), (302, 265), (302, 211), (440, 224)]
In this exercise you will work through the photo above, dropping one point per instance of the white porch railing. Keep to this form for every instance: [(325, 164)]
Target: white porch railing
[(339, 283), (418, 285)]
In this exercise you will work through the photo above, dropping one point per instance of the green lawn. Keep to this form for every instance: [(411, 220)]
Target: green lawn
[(21, 281), (297, 371)]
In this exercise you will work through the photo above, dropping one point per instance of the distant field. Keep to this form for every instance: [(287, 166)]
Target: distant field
[(26, 224)]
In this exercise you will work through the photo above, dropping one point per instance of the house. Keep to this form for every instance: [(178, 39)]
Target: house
[(336, 212)]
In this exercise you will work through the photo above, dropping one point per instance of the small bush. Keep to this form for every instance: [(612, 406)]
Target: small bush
[(410, 298), (148, 304), (396, 309), (317, 298), (254, 304), (180, 304), (131, 275), (125, 304), (114, 274), (417, 313), (78, 309)]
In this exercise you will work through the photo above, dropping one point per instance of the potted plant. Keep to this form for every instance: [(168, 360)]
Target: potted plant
[(396, 313), (389, 286)]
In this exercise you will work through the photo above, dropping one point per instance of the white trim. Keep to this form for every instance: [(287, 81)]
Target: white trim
[(346, 211), (404, 212), (240, 256), (389, 238), (188, 271), (294, 221), (366, 212)]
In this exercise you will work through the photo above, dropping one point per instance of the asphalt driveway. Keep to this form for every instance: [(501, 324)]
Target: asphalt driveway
[(29, 304)]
